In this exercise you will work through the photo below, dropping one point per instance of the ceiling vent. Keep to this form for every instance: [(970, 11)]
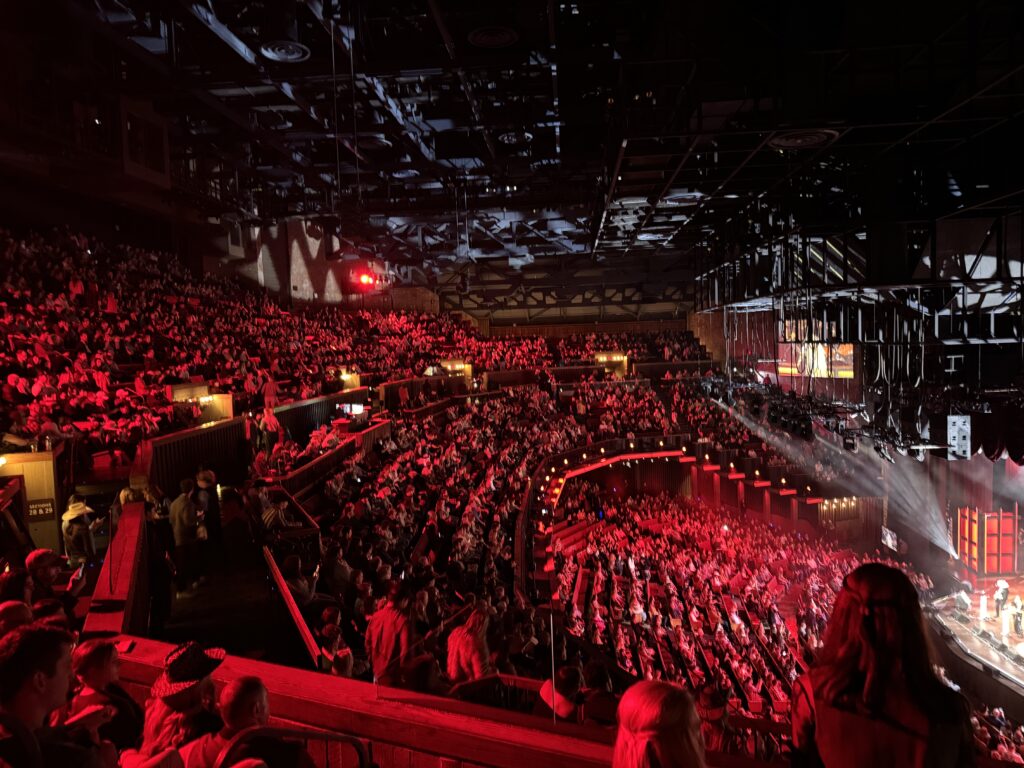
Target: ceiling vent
[(280, 34), (493, 36), (809, 139)]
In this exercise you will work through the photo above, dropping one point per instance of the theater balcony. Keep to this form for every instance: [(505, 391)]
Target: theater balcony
[(395, 727)]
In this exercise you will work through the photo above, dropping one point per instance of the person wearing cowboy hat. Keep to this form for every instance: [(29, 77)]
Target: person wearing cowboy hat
[(182, 703), (77, 526)]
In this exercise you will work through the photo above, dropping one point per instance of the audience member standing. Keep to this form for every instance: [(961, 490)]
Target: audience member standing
[(468, 657), (873, 698), (389, 637), (185, 524)]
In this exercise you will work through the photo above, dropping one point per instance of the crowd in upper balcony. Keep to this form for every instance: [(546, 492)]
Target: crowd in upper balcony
[(96, 333)]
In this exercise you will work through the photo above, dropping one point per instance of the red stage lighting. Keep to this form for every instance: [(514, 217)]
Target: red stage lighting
[(367, 279)]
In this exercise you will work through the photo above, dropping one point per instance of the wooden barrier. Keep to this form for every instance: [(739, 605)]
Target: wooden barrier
[(15, 541), (302, 539), (301, 417), (561, 330), (301, 479), (657, 370), (368, 438), (499, 379), (403, 728), (46, 491), (391, 392), (120, 601), (308, 642), (220, 446)]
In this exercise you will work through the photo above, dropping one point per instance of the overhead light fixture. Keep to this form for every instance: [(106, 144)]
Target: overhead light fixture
[(493, 36), (803, 139), (683, 197), (514, 138), (280, 33)]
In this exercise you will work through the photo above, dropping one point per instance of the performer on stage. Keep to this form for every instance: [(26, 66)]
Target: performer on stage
[(1001, 595), (963, 601), (1018, 610)]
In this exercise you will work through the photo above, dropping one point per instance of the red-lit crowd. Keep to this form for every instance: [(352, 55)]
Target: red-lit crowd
[(95, 334), (412, 579), (619, 408), (432, 510)]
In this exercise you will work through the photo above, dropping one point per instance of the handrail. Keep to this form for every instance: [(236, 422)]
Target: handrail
[(293, 609), (122, 587), (230, 754)]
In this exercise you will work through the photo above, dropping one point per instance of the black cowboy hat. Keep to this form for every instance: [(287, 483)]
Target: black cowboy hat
[(186, 666)]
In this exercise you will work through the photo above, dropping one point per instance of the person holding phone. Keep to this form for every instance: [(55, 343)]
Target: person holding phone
[(44, 565), (303, 590)]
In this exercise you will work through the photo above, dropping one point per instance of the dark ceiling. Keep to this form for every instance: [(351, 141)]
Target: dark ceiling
[(551, 154)]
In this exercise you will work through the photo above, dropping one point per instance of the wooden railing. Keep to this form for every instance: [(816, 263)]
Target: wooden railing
[(308, 641), (401, 728)]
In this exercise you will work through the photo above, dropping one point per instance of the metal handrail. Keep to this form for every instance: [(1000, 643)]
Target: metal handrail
[(231, 752)]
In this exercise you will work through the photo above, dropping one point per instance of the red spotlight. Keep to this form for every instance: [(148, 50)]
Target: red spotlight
[(366, 279)]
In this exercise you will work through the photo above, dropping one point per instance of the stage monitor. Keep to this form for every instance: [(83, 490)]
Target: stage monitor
[(889, 539)]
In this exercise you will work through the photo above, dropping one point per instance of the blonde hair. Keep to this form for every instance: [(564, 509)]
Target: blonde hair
[(658, 728)]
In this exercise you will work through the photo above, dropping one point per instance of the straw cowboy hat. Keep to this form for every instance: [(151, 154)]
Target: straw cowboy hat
[(186, 666), (76, 509)]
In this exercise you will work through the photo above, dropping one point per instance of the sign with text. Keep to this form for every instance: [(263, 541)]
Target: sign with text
[(41, 509)]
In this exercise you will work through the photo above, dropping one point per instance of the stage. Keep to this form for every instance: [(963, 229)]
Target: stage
[(976, 656)]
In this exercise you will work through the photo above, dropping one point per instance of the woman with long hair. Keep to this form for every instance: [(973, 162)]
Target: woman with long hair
[(658, 728), (468, 656), (873, 697)]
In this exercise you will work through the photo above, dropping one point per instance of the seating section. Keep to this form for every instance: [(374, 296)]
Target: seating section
[(651, 587)]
